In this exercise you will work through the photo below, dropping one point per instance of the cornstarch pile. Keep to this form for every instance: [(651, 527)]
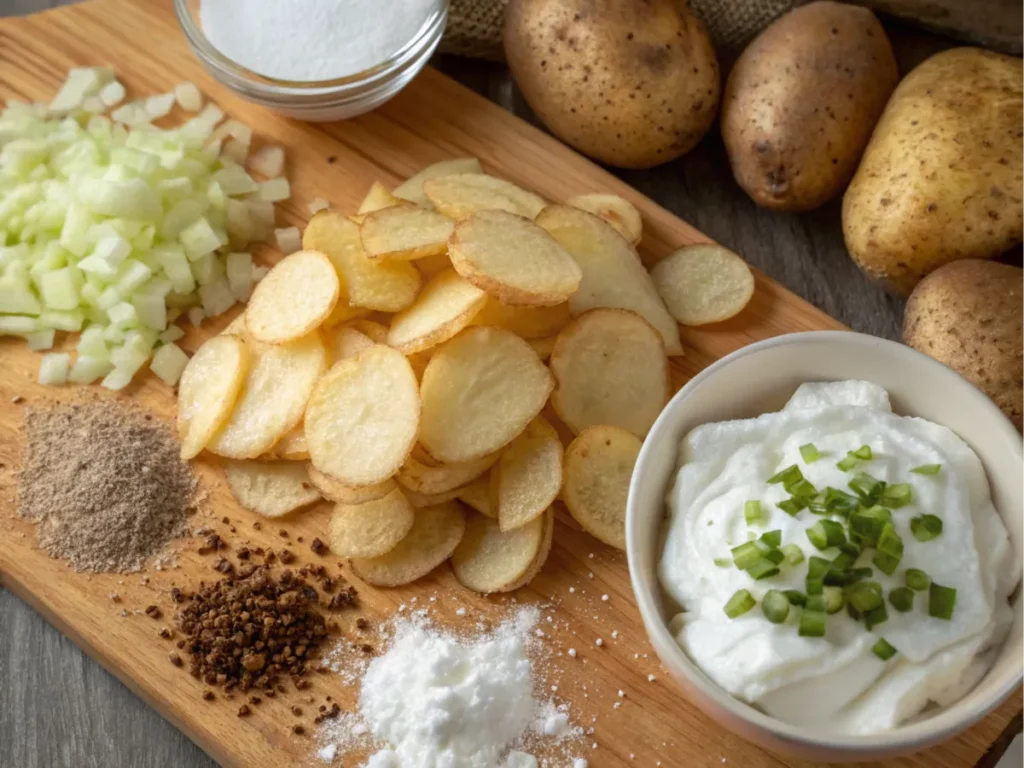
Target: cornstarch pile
[(105, 485)]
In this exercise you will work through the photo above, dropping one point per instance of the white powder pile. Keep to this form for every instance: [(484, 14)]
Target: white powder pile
[(307, 40)]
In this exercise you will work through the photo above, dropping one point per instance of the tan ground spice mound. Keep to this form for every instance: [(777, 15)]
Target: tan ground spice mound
[(105, 485)]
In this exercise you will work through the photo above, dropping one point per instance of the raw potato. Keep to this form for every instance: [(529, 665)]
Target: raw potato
[(362, 418), (412, 189), (632, 84), (378, 197), (425, 479), (291, 447), (386, 286), (618, 212), (271, 489), (610, 368), (208, 389), (280, 380), (405, 232), (444, 307), (968, 315), (528, 476), (542, 554), (479, 391), (598, 467), (613, 275), (525, 322), (478, 496), (801, 102), (345, 342), (337, 491), (703, 284), (941, 177), (435, 534), (295, 297), (490, 560), (463, 194), (513, 259), (371, 529)]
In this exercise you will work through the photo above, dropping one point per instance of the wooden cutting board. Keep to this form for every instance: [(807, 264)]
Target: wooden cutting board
[(433, 119)]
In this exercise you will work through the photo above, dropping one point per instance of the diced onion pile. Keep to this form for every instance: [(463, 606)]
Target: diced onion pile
[(114, 227)]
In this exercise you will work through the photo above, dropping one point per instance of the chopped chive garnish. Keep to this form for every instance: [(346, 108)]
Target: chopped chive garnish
[(887, 564), (853, 612), (843, 561), (772, 538), (865, 595), (775, 556), (796, 597), (927, 469), (792, 506), (863, 453), (876, 616), (815, 602), (775, 606), (890, 550), (794, 555), (868, 522), (745, 555), (867, 488), (837, 577), (817, 567), (814, 586), (847, 463), (902, 599), (723, 562), (941, 601), (896, 496), (834, 599), (859, 574), (883, 650), (812, 624), (838, 501), (826, 533), (741, 602), (787, 476), (809, 453), (752, 512), (762, 569), (917, 579), (926, 527), (803, 489)]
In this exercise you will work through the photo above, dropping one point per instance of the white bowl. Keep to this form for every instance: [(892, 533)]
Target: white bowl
[(760, 378)]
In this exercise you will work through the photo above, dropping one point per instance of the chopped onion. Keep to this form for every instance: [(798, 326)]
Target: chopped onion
[(196, 316), (188, 97), (87, 370), (239, 272), (112, 94), (168, 363), (235, 150), (275, 190), (81, 82), (41, 340), (289, 240), (160, 105), (53, 368), (268, 161)]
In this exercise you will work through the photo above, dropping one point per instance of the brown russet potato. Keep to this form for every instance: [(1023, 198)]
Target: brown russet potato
[(968, 315), (941, 178), (632, 84), (801, 102)]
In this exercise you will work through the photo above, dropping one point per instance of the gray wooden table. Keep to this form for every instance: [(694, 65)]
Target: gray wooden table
[(59, 708)]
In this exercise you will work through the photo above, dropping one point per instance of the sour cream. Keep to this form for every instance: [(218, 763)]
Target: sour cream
[(836, 683)]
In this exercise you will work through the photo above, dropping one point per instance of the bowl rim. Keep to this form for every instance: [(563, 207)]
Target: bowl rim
[(902, 738)]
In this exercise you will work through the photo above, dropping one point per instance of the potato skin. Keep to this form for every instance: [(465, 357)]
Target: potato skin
[(801, 102), (630, 83), (969, 315), (941, 177)]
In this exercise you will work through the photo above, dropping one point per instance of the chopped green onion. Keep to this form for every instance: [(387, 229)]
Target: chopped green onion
[(926, 527), (774, 556), (817, 567), (843, 561), (816, 602), (852, 612), (834, 599), (867, 488), (890, 550), (941, 601), (896, 496), (837, 577), (794, 555), (775, 606), (802, 489), (723, 562), (812, 624), (814, 586), (839, 501), (787, 476), (847, 463), (917, 579), (927, 469), (809, 453), (762, 569), (795, 597), (863, 453), (745, 555), (883, 650), (826, 533), (752, 512), (741, 602), (772, 538), (859, 574), (869, 522), (865, 595), (902, 599), (876, 616), (792, 506), (817, 505)]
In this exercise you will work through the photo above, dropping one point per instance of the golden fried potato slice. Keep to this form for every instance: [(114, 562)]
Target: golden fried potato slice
[(543, 346), (236, 327), (618, 212), (291, 447), (346, 494), (542, 554), (525, 322), (344, 312), (420, 500), (528, 476), (513, 259), (378, 197), (489, 559), (405, 232), (412, 189), (598, 467), (426, 479), (613, 275), (208, 389), (295, 297), (478, 496), (703, 284), (431, 265), (279, 382), (387, 286), (479, 391), (345, 342), (436, 532), (362, 417), (371, 529), (462, 194), (444, 307), (270, 488)]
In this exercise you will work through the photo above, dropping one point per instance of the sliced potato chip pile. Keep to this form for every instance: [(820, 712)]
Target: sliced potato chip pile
[(446, 305), (703, 284), (618, 212), (295, 297), (491, 560), (412, 189), (528, 476), (440, 478), (405, 232), (378, 197), (462, 194), (270, 488), (208, 389), (371, 529), (477, 495), (291, 447), (527, 322), (335, 490)]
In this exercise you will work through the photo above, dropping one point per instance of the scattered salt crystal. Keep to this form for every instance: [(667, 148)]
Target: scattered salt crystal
[(604, 598), (621, 694), (599, 642), (594, 745), (327, 753), (539, 632), (571, 590), (651, 678), (591, 555), (579, 762), (615, 634), (616, 705), (572, 652), (590, 574), (460, 612)]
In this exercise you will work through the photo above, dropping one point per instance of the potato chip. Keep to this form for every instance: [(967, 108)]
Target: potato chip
[(236, 327), (489, 560), (345, 342), (444, 307), (479, 391), (208, 389), (378, 332), (291, 447), (436, 532), (270, 488), (610, 368), (598, 467), (613, 275), (346, 494), (418, 361), (387, 286), (412, 189), (525, 322), (543, 346), (362, 417), (420, 500), (462, 194), (431, 265), (618, 212), (343, 312), (513, 259), (378, 197), (703, 283), (528, 476), (273, 397), (371, 529), (478, 496), (405, 232), (295, 297), (425, 479), (542, 554)]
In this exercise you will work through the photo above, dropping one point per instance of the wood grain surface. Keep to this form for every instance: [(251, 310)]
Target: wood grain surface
[(57, 708)]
